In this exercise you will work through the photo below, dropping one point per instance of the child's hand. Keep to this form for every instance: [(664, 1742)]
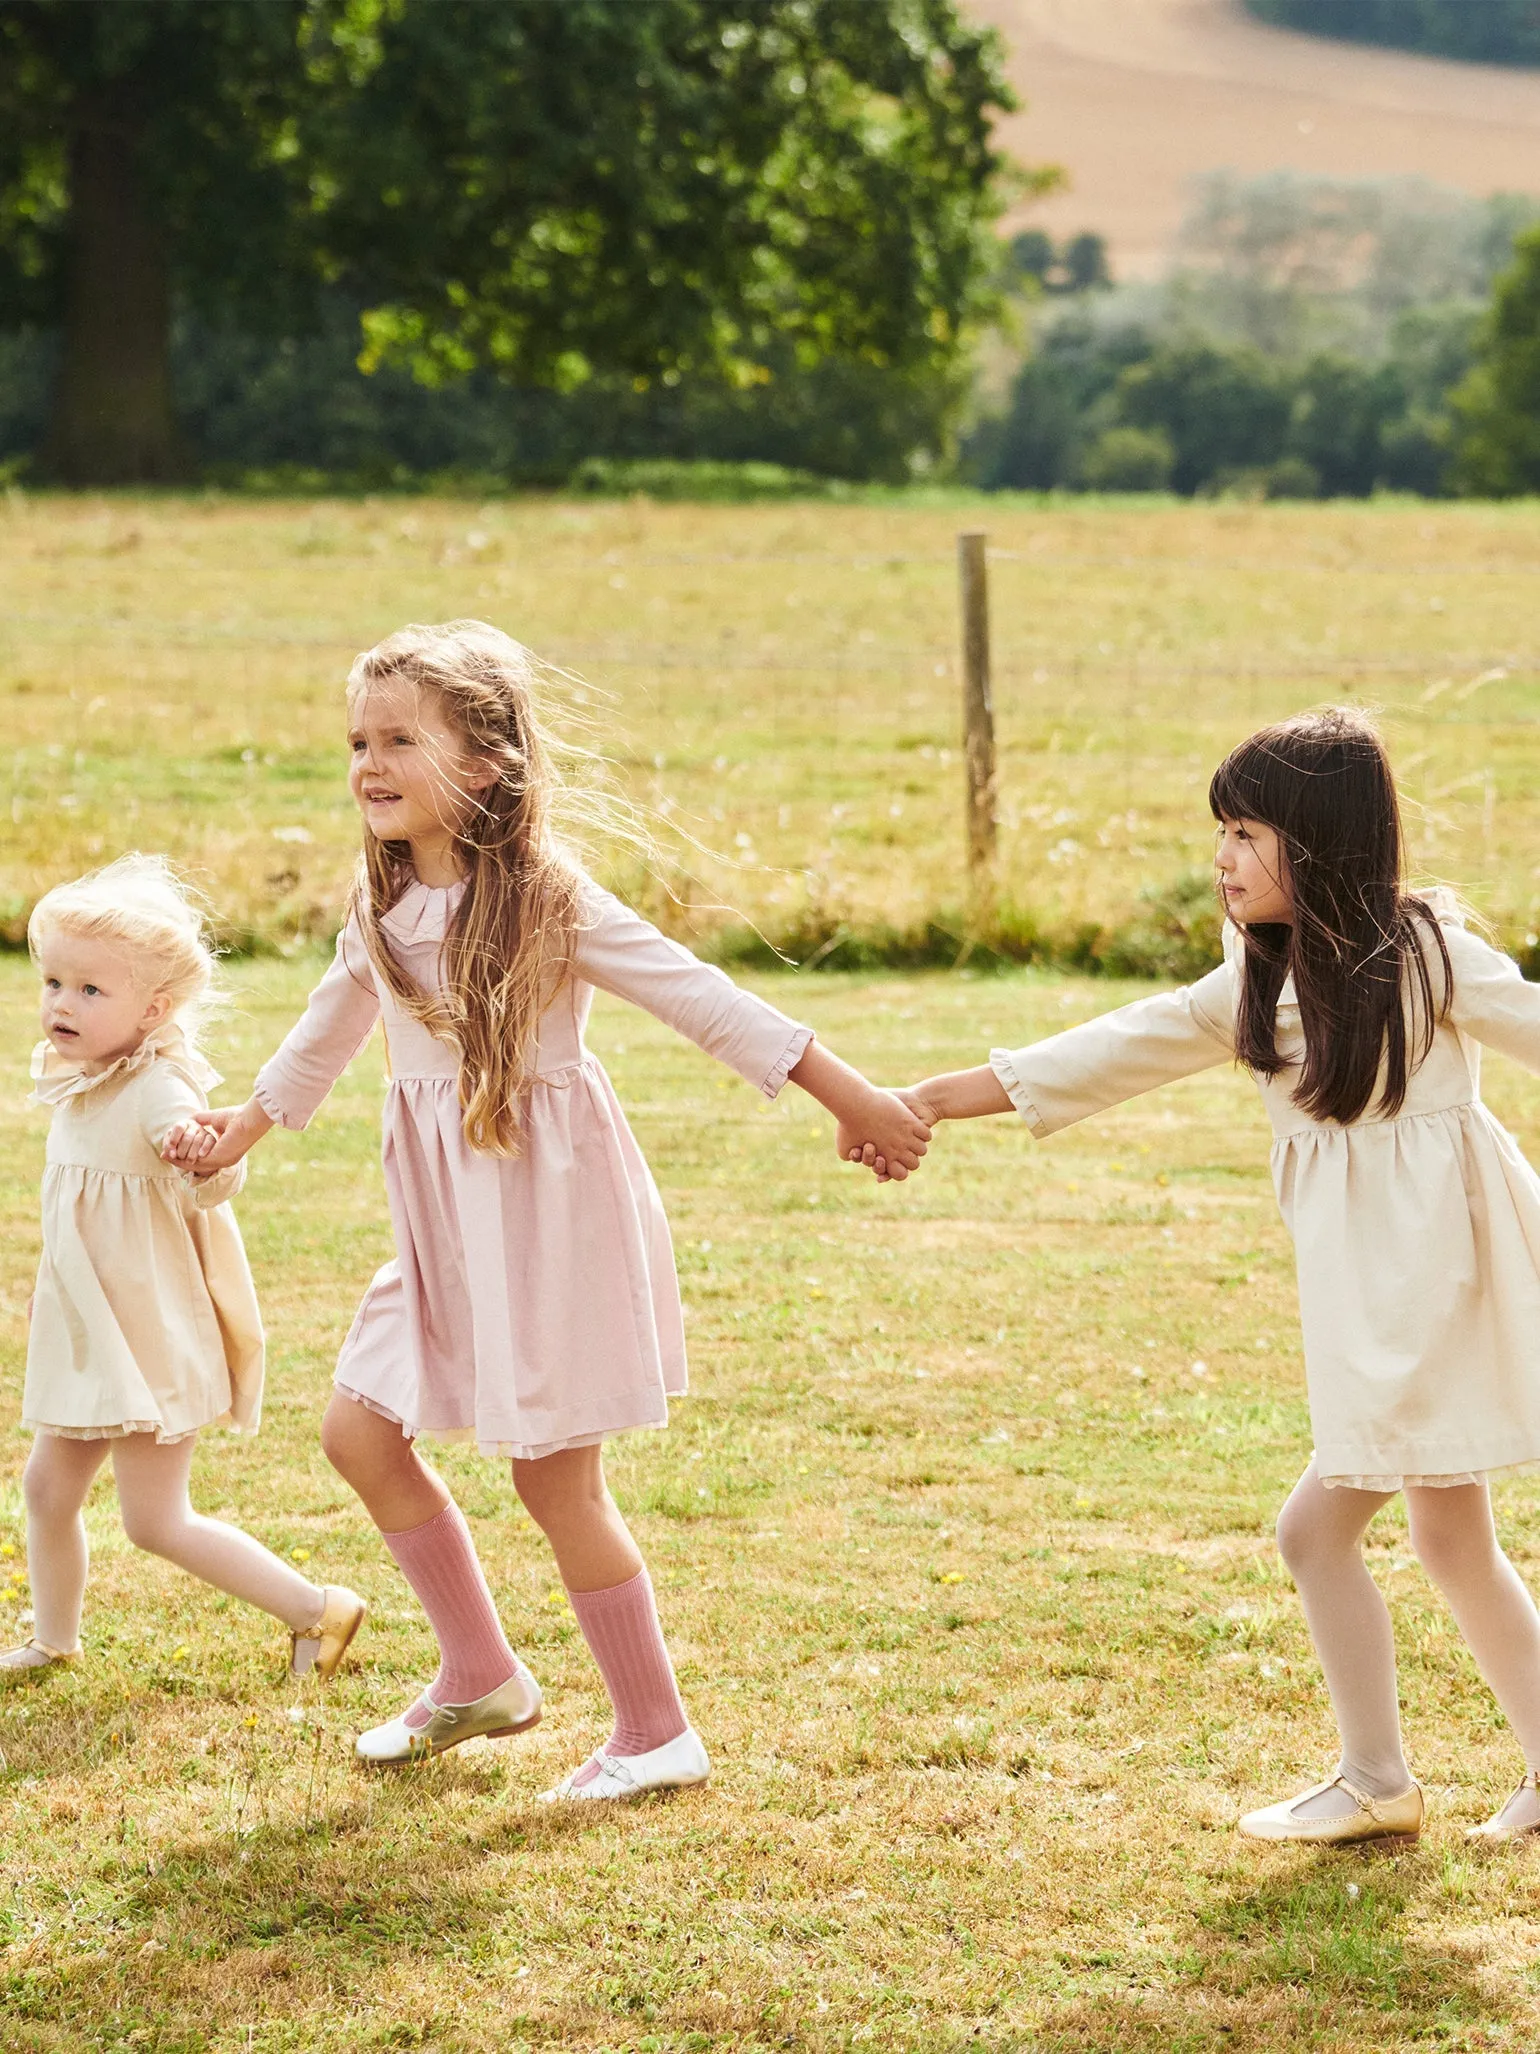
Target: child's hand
[(888, 1136), (214, 1141)]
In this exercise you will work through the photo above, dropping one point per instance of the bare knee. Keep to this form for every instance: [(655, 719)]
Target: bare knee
[(358, 1443), (564, 1489)]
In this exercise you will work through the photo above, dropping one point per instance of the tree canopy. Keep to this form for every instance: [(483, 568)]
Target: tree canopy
[(1498, 405), (548, 188)]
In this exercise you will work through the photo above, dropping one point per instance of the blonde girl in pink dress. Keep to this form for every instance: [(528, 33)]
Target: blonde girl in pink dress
[(1360, 1009), (532, 1306), (144, 1325)]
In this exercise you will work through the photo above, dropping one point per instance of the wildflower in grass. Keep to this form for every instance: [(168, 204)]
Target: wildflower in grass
[(299, 1554)]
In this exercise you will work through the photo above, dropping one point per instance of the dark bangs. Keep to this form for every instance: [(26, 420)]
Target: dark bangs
[(1357, 948)]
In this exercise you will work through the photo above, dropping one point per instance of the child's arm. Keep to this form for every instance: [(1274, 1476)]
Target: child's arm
[(1069, 1076), (625, 955), (334, 1026), (1489, 998), (171, 1112)]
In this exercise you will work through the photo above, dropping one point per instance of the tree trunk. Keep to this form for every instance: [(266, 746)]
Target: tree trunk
[(113, 422)]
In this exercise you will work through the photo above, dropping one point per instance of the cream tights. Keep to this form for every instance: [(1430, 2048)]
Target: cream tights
[(1320, 1535), (152, 1499)]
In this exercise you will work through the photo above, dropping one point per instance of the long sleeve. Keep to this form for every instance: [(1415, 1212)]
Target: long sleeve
[(623, 954), (334, 1026), (1056, 1082), (167, 1097), (1490, 1000)]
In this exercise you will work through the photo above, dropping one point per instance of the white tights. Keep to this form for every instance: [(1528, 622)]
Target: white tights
[(152, 1499), (1320, 1535)]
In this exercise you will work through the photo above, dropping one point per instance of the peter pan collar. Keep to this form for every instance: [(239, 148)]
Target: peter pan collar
[(422, 914), (55, 1077)]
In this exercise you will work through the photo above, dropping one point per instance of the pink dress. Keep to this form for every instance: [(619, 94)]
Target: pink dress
[(533, 1304)]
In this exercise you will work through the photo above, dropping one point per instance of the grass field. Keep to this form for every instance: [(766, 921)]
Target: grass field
[(963, 1537), (781, 681), (968, 1571)]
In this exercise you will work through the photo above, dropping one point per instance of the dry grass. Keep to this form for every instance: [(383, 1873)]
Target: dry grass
[(782, 680), (967, 1569), (970, 1581)]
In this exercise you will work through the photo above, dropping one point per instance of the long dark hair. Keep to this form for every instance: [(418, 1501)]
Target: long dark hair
[(1322, 782)]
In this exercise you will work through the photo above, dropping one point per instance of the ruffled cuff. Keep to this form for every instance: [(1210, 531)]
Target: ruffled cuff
[(1003, 1063), (274, 1107), (218, 1189), (801, 1040)]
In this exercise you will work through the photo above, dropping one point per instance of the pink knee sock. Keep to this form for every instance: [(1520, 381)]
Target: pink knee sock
[(625, 1639), (438, 1559)]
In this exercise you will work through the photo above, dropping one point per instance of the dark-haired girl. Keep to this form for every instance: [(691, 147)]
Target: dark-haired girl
[(1358, 1007)]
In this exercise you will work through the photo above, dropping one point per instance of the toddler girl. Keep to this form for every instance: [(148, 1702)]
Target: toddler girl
[(533, 1305), (1358, 1007), (144, 1322)]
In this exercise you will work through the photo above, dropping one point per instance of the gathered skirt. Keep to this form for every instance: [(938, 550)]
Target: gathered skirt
[(1418, 1245), (533, 1304)]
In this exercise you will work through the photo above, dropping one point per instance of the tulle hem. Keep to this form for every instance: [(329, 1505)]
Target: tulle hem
[(1452, 1481), (513, 1451), (117, 1433)]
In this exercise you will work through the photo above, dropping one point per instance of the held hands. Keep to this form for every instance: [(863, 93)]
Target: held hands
[(891, 1145), (215, 1140)]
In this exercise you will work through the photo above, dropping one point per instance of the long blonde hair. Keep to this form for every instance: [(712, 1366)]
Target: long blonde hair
[(140, 906), (511, 943)]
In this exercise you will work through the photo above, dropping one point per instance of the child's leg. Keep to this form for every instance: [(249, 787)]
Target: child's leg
[(1456, 1543), (1320, 1536), (56, 1484), (426, 1533), (611, 1594), (157, 1516)]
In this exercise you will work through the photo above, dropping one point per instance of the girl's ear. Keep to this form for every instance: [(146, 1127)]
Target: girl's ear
[(483, 773), (157, 1009)]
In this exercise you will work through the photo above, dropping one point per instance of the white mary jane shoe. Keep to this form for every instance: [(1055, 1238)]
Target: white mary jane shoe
[(512, 1708), (1387, 1821), (672, 1766)]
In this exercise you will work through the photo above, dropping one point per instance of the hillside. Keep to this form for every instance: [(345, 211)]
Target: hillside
[(1137, 97)]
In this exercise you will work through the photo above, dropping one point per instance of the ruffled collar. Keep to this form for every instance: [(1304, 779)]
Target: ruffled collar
[(55, 1077), (421, 914)]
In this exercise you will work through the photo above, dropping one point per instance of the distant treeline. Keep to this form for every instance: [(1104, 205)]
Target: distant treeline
[(1496, 31)]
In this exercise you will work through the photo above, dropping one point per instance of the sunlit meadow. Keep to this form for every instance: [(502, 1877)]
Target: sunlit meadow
[(962, 1537)]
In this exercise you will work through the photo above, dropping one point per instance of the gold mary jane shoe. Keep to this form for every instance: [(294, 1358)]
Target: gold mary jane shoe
[(1389, 1821), (319, 1650), (1493, 1833), (512, 1708), (34, 1655)]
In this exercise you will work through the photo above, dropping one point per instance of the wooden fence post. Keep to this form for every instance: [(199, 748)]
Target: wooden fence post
[(978, 712)]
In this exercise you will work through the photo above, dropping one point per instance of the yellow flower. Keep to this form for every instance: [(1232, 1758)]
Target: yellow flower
[(251, 1718), (951, 1576), (7, 1547), (299, 1554), (181, 1654), (558, 1599)]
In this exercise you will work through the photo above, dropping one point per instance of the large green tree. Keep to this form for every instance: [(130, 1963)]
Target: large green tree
[(551, 188), (1497, 408)]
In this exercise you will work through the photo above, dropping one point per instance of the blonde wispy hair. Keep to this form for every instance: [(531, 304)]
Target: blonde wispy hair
[(141, 906), (511, 943)]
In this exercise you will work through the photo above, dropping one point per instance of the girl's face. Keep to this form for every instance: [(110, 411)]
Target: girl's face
[(1254, 875), (411, 776), (94, 1009)]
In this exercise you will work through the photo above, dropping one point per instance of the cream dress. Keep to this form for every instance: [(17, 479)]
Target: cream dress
[(144, 1319), (1417, 1238)]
